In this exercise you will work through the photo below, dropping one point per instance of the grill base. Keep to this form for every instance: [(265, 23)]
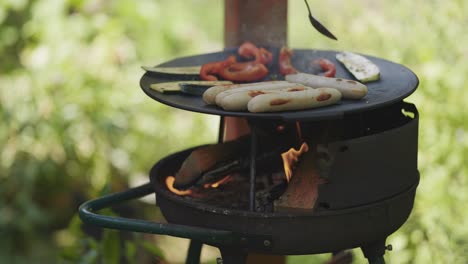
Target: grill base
[(316, 232), (370, 194)]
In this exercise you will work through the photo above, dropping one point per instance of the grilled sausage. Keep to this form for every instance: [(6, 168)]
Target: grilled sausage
[(257, 87), (238, 101), (209, 96), (286, 101), (348, 88)]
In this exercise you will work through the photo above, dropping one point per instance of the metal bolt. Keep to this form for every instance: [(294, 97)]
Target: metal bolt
[(266, 243), (389, 247)]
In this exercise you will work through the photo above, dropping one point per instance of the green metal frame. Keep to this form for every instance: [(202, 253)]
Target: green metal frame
[(87, 215), (198, 235), (209, 236)]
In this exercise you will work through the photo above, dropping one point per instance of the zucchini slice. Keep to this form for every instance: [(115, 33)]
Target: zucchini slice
[(190, 70), (359, 66), (189, 86)]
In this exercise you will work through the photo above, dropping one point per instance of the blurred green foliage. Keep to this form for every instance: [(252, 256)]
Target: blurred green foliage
[(76, 123), (74, 117)]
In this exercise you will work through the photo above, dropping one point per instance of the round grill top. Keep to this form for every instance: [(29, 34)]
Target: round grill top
[(396, 83)]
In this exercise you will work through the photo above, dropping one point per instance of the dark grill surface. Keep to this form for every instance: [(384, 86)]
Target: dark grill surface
[(396, 82)]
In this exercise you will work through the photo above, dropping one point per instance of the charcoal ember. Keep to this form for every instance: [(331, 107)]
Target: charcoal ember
[(232, 195), (264, 199)]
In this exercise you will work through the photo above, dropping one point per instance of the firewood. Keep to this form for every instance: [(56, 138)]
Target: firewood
[(302, 190), (206, 157), (208, 163)]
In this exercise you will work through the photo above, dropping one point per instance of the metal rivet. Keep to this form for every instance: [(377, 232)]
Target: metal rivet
[(389, 247), (266, 243)]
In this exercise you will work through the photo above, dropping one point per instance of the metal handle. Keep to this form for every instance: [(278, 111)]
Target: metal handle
[(208, 236)]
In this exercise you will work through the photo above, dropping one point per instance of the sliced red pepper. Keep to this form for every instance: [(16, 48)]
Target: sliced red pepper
[(249, 51), (209, 70), (284, 62), (244, 72), (327, 66), (232, 70), (265, 56)]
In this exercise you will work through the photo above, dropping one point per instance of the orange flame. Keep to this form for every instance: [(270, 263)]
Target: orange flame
[(170, 185), (290, 158), (218, 183)]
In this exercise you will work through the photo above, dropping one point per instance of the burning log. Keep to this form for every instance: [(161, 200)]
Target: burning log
[(213, 162), (302, 191), (205, 158), (192, 173)]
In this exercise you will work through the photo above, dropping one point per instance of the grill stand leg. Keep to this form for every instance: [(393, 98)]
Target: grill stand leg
[(374, 252), (232, 256), (194, 252)]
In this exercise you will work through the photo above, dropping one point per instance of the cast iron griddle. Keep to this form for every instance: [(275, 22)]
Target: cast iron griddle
[(396, 83)]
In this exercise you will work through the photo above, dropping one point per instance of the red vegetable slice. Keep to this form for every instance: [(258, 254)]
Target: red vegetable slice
[(249, 51), (209, 70), (328, 66), (232, 70), (244, 72), (284, 62)]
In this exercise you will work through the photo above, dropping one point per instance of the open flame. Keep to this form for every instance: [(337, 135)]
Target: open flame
[(170, 185), (194, 192), (290, 158), (218, 183)]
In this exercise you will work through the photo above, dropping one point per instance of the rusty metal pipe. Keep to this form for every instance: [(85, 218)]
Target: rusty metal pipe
[(263, 22)]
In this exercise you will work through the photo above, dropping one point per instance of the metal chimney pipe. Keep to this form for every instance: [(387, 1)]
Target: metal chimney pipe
[(264, 23)]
